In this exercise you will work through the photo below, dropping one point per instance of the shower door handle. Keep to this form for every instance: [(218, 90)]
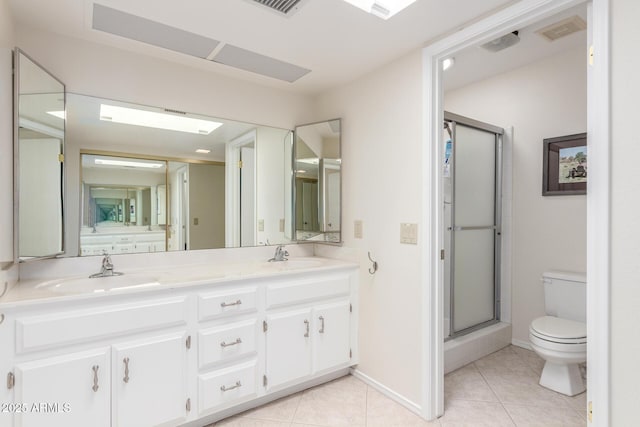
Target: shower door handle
[(473, 227)]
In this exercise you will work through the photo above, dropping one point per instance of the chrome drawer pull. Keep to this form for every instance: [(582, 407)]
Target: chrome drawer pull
[(229, 304), (321, 324), (126, 369), (306, 323), (225, 388), (236, 342), (95, 368)]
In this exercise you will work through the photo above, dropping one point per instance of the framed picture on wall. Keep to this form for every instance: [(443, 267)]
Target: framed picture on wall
[(564, 165)]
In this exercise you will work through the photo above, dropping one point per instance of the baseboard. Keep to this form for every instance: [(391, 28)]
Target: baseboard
[(413, 407), (520, 343)]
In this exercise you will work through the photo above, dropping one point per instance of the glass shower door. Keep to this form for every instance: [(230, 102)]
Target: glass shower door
[(475, 227)]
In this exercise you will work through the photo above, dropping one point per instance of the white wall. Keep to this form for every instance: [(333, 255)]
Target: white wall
[(6, 134), (381, 146), (625, 205), (270, 191), (93, 69), (542, 100)]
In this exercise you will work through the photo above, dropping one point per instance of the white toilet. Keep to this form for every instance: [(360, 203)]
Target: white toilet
[(560, 337)]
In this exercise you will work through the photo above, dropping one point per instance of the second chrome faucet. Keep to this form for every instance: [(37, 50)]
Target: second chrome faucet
[(280, 255)]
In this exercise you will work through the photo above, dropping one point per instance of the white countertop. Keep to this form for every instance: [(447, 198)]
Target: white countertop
[(158, 278)]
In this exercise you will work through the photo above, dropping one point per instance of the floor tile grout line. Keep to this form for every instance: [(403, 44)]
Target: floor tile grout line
[(366, 405)]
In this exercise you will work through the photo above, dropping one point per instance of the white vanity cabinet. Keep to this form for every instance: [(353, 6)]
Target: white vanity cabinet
[(308, 328), (187, 353), (64, 391), (149, 383)]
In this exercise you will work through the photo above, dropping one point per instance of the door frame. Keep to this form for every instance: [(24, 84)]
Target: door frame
[(232, 190), (510, 19)]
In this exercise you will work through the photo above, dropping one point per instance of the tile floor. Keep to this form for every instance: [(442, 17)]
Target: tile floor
[(500, 389)]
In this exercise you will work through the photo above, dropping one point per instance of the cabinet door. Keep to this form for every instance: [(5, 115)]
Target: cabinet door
[(66, 391), (149, 381), (331, 334), (288, 339)]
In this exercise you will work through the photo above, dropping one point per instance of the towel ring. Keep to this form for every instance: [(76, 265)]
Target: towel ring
[(374, 267)]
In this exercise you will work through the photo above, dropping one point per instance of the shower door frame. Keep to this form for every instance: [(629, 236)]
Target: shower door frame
[(454, 120)]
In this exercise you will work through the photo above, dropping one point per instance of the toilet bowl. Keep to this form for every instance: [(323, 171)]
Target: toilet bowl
[(562, 343), (560, 337)]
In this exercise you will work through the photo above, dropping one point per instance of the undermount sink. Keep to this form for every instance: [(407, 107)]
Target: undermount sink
[(98, 284)]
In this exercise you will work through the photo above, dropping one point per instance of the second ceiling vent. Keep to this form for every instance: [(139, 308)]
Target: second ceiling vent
[(283, 7)]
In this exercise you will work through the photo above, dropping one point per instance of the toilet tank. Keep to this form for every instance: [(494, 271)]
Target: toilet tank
[(565, 295)]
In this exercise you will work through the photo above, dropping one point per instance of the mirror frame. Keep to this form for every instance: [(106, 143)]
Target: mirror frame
[(16, 159), (294, 194)]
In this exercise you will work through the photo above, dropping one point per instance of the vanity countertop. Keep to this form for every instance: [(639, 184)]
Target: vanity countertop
[(159, 278)]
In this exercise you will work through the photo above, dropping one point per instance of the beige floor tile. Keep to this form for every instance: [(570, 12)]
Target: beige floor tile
[(384, 412), (529, 416), (342, 402), (506, 364), (467, 384), (579, 404), (279, 410), (526, 394), (468, 413), (248, 422), (530, 357)]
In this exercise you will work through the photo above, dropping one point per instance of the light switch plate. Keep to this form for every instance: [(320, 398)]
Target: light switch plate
[(357, 229), (409, 233), (261, 225), (196, 221), (282, 225)]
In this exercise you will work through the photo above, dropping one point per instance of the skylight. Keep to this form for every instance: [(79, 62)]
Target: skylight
[(384, 9)]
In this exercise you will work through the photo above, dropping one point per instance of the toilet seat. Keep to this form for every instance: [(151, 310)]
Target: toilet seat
[(561, 331)]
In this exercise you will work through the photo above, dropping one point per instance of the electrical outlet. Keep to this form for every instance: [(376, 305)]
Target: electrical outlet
[(282, 225), (261, 225), (409, 233), (357, 229)]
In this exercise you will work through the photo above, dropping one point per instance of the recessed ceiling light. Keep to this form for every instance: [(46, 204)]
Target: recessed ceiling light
[(59, 114), (203, 151), (132, 116), (448, 63), (128, 163), (384, 9)]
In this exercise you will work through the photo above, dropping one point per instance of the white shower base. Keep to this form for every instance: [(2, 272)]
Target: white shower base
[(468, 348)]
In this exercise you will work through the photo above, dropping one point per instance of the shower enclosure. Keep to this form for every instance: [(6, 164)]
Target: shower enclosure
[(472, 176)]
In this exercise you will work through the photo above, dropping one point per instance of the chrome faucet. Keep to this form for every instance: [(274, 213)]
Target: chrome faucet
[(280, 254), (106, 270)]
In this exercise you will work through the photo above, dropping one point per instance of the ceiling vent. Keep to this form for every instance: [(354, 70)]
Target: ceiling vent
[(282, 7), (562, 28)]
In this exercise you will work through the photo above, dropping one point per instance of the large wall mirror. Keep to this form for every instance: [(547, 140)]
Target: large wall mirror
[(39, 138), (317, 186), (147, 179)]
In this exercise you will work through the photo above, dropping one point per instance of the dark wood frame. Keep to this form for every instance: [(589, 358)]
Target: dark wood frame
[(550, 165)]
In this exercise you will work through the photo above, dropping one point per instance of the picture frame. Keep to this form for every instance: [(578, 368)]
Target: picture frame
[(564, 165)]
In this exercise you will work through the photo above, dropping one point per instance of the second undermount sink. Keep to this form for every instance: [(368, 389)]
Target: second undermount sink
[(98, 284)]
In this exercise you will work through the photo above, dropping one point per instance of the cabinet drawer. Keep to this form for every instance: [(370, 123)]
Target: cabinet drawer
[(295, 292), (226, 303), (226, 386), (229, 342), (77, 326)]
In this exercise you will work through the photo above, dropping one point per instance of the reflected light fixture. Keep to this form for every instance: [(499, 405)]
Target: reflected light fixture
[(448, 63), (59, 114), (384, 9), (132, 116), (203, 151), (128, 163)]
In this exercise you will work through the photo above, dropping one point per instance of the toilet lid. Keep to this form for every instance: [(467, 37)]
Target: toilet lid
[(554, 327)]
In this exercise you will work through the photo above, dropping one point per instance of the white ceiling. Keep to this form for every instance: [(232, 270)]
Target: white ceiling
[(335, 40)]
